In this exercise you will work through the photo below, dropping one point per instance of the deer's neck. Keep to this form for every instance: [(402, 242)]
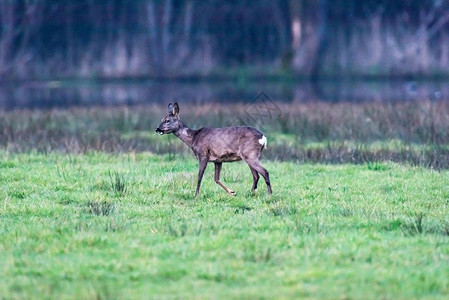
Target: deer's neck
[(185, 134)]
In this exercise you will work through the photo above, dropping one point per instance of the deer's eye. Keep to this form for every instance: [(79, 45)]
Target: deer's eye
[(167, 121)]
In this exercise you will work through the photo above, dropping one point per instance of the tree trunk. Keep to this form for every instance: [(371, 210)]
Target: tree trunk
[(322, 42), (296, 29), (166, 38)]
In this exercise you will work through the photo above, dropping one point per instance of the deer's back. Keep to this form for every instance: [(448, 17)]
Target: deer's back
[(228, 144)]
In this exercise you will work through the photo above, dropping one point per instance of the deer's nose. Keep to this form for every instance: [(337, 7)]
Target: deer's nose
[(158, 130)]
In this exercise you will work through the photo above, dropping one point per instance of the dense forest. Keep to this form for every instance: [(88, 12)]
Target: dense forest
[(172, 38)]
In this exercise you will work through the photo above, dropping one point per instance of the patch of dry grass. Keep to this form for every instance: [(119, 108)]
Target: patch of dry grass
[(410, 132)]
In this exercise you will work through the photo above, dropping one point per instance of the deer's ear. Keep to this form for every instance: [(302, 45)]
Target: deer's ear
[(170, 109), (173, 109)]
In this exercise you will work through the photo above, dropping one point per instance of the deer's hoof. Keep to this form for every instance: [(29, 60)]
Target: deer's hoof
[(232, 193)]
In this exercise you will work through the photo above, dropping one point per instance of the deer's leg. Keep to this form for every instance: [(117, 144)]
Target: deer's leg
[(255, 164), (217, 178), (255, 178), (203, 165)]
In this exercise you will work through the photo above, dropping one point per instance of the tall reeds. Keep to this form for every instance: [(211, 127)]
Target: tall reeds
[(409, 132)]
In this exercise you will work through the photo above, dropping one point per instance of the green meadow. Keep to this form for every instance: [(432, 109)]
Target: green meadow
[(95, 205), (126, 226)]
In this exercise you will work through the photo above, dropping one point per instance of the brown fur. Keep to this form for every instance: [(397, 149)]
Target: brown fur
[(218, 145)]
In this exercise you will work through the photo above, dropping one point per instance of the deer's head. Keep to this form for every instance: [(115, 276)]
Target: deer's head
[(170, 123)]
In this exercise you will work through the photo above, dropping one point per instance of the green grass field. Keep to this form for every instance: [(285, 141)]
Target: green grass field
[(126, 226)]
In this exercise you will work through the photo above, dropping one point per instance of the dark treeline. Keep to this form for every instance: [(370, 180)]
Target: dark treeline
[(116, 38)]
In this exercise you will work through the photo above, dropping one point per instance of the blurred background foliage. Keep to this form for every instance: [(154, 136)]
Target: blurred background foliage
[(179, 38)]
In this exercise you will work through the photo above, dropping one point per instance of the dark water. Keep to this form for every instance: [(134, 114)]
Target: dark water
[(66, 94)]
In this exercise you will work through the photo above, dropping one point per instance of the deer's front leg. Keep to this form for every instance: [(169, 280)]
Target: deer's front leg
[(203, 165), (217, 178)]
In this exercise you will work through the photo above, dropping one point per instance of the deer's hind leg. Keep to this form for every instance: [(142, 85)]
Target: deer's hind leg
[(255, 164), (255, 178), (217, 178)]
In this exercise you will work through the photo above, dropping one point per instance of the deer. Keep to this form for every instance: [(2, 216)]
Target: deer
[(219, 145)]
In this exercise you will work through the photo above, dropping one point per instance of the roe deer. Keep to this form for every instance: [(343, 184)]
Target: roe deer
[(219, 145)]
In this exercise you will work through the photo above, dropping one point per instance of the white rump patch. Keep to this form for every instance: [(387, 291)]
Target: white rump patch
[(263, 142)]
